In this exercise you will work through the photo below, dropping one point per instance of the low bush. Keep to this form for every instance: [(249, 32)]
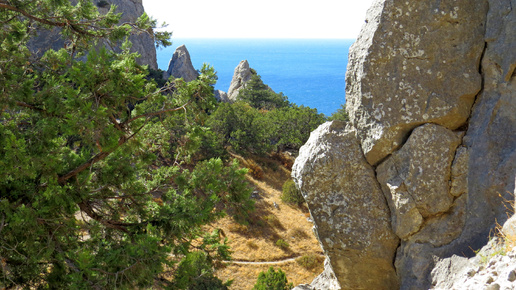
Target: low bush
[(272, 280), (251, 244), (272, 220), (282, 244), (196, 272), (291, 194), (297, 233), (307, 261), (255, 170)]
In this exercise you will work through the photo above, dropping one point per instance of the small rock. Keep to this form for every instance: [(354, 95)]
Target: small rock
[(494, 286), (471, 273), (512, 276), (489, 280), (255, 194), (304, 287)]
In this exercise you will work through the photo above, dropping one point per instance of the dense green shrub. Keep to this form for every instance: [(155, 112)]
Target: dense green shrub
[(290, 127), (260, 96), (157, 76), (272, 280), (291, 194), (340, 114), (196, 272), (77, 161), (249, 130), (240, 127)]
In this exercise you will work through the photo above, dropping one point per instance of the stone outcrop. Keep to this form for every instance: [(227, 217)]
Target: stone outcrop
[(242, 75), (494, 266), (131, 10), (221, 96), (180, 66), (431, 95), (349, 210), (141, 43), (416, 63)]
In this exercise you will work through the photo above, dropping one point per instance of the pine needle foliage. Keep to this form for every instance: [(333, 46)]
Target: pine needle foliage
[(94, 190)]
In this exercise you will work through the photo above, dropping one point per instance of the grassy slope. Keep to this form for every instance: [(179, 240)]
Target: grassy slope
[(257, 241)]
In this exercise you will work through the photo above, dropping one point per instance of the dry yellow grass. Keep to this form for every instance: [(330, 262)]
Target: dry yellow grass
[(256, 242)]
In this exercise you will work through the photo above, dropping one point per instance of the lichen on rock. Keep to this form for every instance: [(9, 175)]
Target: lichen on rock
[(431, 95), (349, 210)]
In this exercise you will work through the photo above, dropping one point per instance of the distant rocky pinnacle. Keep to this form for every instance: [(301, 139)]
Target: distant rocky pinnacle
[(180, 66), (423, 169), (241, 75)]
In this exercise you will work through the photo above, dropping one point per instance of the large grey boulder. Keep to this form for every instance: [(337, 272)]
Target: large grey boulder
[(431, 88), (414, 62), (180, 66), (350, 214), (142, 43), (241, 76)]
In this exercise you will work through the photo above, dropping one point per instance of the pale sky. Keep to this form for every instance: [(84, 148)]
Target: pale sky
[(260, 18)]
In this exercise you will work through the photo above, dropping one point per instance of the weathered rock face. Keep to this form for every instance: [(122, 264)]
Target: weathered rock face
[(414, 62), (431, 89), (131, 10), (242, 75), (180, 66), (221, 96), (142, 43), (491, 138), (415, 178), (494, 267), (348, 207)]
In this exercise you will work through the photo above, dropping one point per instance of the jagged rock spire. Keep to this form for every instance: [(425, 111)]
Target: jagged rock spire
[(180, 66)]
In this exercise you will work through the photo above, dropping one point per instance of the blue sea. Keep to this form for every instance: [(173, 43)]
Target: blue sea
[(310, 72)]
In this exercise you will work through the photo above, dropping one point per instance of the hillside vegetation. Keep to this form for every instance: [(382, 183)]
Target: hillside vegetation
[(109, 180)]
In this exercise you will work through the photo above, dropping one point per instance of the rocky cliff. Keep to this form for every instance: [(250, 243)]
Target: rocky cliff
[(422, 170), (180, 66), (242, 75), (131, 10)]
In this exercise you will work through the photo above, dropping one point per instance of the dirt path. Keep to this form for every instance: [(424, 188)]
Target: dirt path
[(262, 263)]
